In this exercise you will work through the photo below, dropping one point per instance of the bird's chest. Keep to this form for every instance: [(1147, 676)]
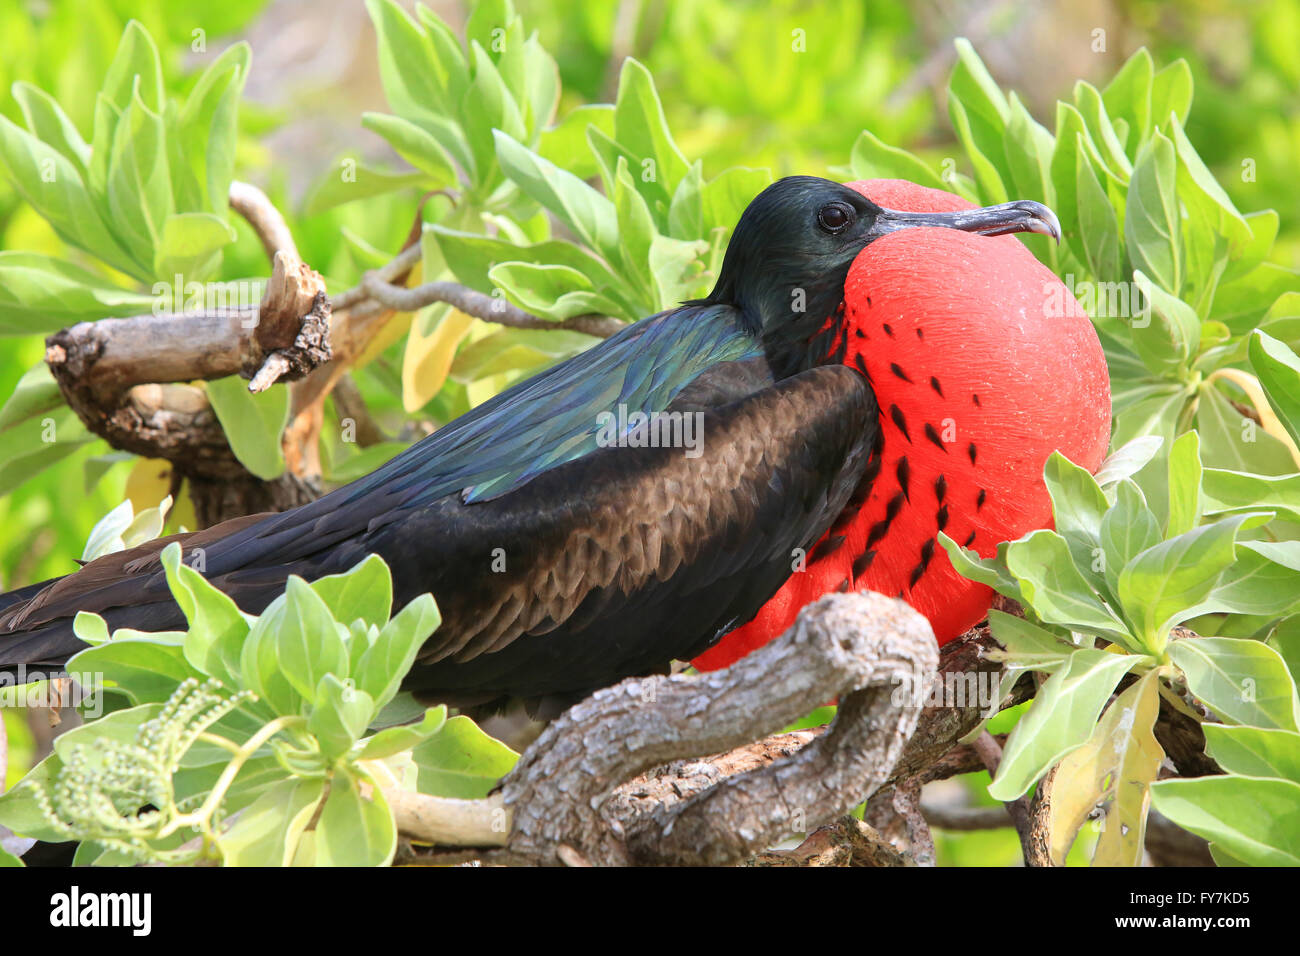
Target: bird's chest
[(954, 451)]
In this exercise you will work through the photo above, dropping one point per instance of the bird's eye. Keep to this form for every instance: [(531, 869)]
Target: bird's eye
[(834, 217)]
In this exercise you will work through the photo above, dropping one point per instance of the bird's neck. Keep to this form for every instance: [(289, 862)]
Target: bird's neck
[(795, 339)]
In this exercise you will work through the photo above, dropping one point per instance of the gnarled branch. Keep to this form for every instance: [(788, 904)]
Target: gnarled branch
[(578, 796)]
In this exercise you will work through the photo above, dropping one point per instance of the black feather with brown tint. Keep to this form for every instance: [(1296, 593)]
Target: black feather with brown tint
[(614, 564)]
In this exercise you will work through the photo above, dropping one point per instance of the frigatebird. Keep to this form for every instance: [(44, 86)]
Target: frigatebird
[(566, 548)]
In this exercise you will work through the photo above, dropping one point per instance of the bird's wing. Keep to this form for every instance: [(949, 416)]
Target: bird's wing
[(501, 445), (617, 563)]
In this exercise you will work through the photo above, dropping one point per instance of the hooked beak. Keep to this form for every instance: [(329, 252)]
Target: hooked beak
[(1022, 215)]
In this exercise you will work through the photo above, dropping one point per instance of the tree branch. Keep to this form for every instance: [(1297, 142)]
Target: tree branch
[(117, 374), (569, 797), (486, 307), (1030, 816), (256, 207)]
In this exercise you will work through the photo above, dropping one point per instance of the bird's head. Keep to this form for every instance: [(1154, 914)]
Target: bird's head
[(791, 251)]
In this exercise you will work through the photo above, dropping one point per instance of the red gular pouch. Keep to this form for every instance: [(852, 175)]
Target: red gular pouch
[(983, 364)]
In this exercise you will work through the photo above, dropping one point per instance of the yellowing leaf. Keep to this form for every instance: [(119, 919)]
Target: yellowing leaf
[(394, 329), (148, 483), (1114, 771), (428, 357)]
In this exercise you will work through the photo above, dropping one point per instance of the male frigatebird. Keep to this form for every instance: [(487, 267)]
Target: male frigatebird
[(980, 373), (562, 560)]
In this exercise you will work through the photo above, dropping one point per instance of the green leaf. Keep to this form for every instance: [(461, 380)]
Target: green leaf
[(1253, 819), (1171, 92), (393, 740), (988, 571), (1254, 751), (461, 761), (1202, 185), (979, 114), (307, 640), (1128, 94), (413, 75), (540, 89), (517, 350), (1129, 460), (1078, 506), (672, 264), (415, 145), (252, 423), (343, 469), (217, 629), (553, 291), (1235, 441), (354, 830), (1263, 233), (1152, 226), (206, 130), (1028, 152), (1028, 644), (1055, 589), (145, 669), (20, 810), (975, 86), (350, 180), (1228, 492), (1173, 334), (139, 181), (364, 591), (1264, 581), (565, 144), (873, 159), (725, 197), (1184, 484), (1162, 584), (987, 176), (191, 244), (1242, 303), (267, 832), (640, 127), (1243, 681), (470, 257), (1098, 225), (1127, 529), (135, 65), (35, 394), (636, 229), (37, 443), (48, 123), (51, 184), (39, 295), (381, 668), (589, 214), (488, 109), (1062, 718), (278, 659), (1278, 369), (339, 716), (1093, 111)]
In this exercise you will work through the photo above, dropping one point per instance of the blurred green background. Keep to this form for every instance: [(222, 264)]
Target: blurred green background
[(730, 100)]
